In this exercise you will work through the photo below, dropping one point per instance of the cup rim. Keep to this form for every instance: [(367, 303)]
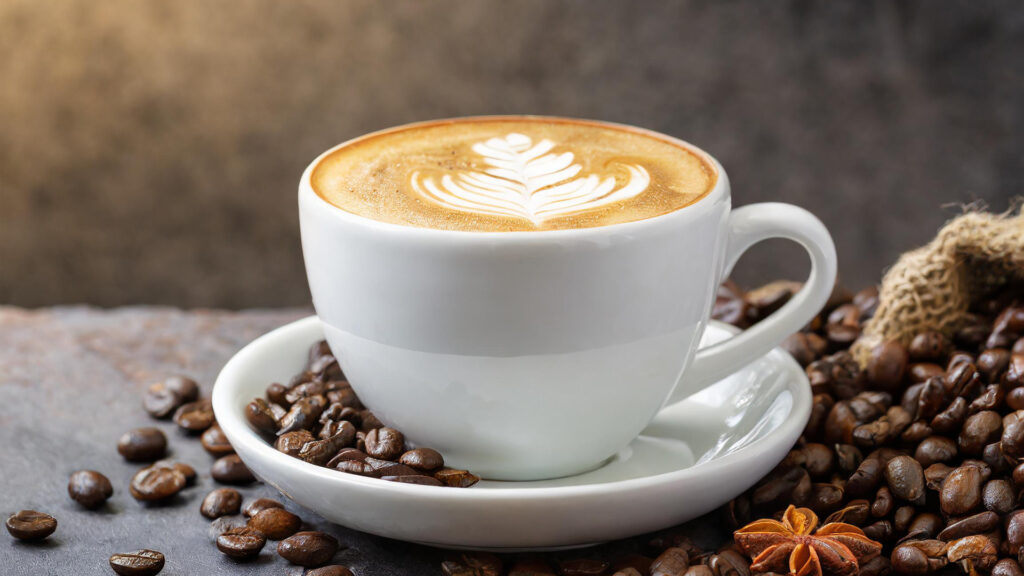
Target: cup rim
[(719, 192)]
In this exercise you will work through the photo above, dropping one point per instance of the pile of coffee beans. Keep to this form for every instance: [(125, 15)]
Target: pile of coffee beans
[(319, 419), (922, 449)]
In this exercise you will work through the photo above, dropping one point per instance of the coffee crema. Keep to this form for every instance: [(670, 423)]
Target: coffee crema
[(506, 174)]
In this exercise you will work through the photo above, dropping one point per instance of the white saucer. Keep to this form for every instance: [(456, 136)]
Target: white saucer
[(692, 458)]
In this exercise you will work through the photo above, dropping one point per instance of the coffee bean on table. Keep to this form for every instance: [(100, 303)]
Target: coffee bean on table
[(256, 506), (332, 570), (138, 563), (89, 488), (187, 471), (385, 443), (195, 416), (30, 525), (221, 502), (157, 482), (231, 470), (309, 549), (423, 459), (276, 523), (163, 398), (242, 543), (142, 445), (216, 442)]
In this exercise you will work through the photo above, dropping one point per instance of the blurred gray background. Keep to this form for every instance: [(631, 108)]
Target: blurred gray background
[(150, 151)]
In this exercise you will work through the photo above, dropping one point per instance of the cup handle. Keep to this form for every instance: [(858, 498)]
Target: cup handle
[(747, 226)]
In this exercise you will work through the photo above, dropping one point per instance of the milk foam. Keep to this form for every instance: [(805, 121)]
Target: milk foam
[(511, 174)]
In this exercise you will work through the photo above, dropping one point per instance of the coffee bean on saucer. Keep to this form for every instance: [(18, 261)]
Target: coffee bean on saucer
[(163, 398), (258, 505), (187, 471), (89, 488), (261, 417), (277, 394), (142, 445), (388, 468), (221, 502), (356, 467), (385, 443), (138, 563), (346, 454), (276, 523), (456, 478), (303, 414), (309, 549), (30, 525), (291, 443), (231, 470), (332, 570), (369, 421), (414, 479), (242, 543), (155, 483), (195, 416), (216, 442), (423, 459)]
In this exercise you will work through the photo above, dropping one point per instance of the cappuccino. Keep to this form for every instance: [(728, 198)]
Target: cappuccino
[(515, 173)]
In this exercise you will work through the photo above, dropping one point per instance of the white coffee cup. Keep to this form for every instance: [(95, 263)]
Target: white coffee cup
[(529, 355)]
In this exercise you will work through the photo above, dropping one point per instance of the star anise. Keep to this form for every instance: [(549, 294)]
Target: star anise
[(793, 546)]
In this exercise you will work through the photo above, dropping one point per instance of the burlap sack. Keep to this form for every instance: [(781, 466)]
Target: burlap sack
[(931, 288)]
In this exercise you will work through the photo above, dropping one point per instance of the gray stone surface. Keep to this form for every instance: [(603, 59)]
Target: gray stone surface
[(149, 151), (71, 381)]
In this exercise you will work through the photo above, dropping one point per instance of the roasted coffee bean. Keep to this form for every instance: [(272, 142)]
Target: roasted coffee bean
[(306, 390), (848, 458), (138, 563), (729, 306), (216, 442), (89, 488), (1015, 530), (302, 415), (1015, 371), (276, 394), (841, 336), (291, 443), (341, 433), (993, 362), (919, 557), (877, 566), (902, 518), (979, 550), (456, 478), (821, 406), (979, 430), (935, 449), (163, 398), (865, 479), (855, 512), (319, 452), (452, 568), (998, 496), (231, 470), (31, 526), (990, 399), (221, 502), (346, 454), (962, 380), (356, 467), (825, 497), (976, 524), (188, 472), (388, 468), (142, 445), (195, 416), (276, 523), (1015, 398), (260, 416), (952, 418), (242, 543), (804, 347), (642, 564), (923, 371), (916, 432), (385, 443), (1013, 435), (729, 562), (370, 421), (839, 423), (932, 399), (883, 504), (309, 549), (258, 505), (156, 482), (928, 345), (911, 398), (906, 479), (333, 570), (993, 456), (1007, 567), (881, 531), (347, 397), (961, 491), (424, 459), (927, 524)]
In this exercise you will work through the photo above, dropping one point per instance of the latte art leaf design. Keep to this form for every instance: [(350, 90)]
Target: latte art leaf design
[(527, 180)]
